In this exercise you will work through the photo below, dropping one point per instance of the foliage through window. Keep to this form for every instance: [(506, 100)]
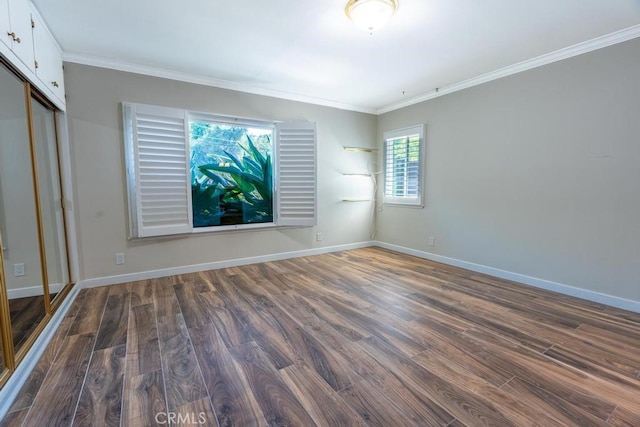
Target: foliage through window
[(231, 174), (403, 166)]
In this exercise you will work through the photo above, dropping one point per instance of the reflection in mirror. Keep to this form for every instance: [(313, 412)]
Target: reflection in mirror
[(3, 364), (21, 253), (50, 193)]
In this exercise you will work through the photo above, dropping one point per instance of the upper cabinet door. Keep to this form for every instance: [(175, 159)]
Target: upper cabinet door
[(20, 34), (5, 23), (49, 58)]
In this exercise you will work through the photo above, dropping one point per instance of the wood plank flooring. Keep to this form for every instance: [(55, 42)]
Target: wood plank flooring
[(26, 314), (362, 337)]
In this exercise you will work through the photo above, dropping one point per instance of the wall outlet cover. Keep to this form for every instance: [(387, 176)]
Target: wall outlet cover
[(19, 270), (119, 258)]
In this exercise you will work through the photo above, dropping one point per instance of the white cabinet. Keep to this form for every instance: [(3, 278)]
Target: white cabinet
[(25, 41), (5, 24), (16, 30), (48, 58)]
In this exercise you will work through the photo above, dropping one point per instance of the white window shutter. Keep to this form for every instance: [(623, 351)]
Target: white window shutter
[(297, 170), (158, 174)]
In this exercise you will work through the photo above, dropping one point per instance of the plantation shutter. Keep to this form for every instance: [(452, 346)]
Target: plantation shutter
[(403, 160), (159, 187), (297, 170)]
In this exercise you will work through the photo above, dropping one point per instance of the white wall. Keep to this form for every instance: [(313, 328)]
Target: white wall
[(536, 173), (95, 131)]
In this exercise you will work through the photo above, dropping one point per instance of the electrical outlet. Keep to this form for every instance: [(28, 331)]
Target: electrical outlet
[(432, 241), (318, 237), (119, 258), (19, 270)]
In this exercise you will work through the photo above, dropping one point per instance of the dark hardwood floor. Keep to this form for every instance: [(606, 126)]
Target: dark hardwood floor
[(362, 337), (26, 314)]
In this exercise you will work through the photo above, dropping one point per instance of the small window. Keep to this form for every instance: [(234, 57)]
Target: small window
[(403, 166)]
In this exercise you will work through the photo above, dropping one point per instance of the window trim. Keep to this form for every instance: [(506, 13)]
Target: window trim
[(405, 201), (235, 227), (229, 120)]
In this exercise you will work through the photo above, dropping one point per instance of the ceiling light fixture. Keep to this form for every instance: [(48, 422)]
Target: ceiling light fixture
[(370, 15)]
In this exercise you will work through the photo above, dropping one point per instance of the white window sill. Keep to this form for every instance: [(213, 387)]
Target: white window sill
[(404, 205), (236, 227)]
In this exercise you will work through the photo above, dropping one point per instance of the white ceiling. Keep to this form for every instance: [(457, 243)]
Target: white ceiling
[(309, 50)]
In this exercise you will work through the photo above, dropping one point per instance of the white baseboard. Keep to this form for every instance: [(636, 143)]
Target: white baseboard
[(625, 304), (9, 392), (610, 300), (32, 291), (164, 272)]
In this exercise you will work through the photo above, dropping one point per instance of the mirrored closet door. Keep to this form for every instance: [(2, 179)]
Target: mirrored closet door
[(35, 269), (3, 368), (50, 192), (5, 333), (21, 245)]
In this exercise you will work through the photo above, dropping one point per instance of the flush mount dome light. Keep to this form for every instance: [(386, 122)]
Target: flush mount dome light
[(369, 15)]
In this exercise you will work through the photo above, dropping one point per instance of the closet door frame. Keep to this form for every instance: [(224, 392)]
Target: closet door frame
[(51, 306), (12, 357), (5, 327)]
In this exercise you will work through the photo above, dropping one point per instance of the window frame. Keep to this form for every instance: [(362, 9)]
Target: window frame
[(295, 141), (406, 201), (244, 122)]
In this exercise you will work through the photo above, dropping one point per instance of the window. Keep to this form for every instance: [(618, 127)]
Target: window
[(403, 161), (191, 172), (231, 173)]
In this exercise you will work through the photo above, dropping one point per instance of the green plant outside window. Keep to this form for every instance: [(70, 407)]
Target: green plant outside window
[(231, 174)]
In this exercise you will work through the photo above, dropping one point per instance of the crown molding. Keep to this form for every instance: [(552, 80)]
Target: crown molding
[(558, 55), (132, 67)]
